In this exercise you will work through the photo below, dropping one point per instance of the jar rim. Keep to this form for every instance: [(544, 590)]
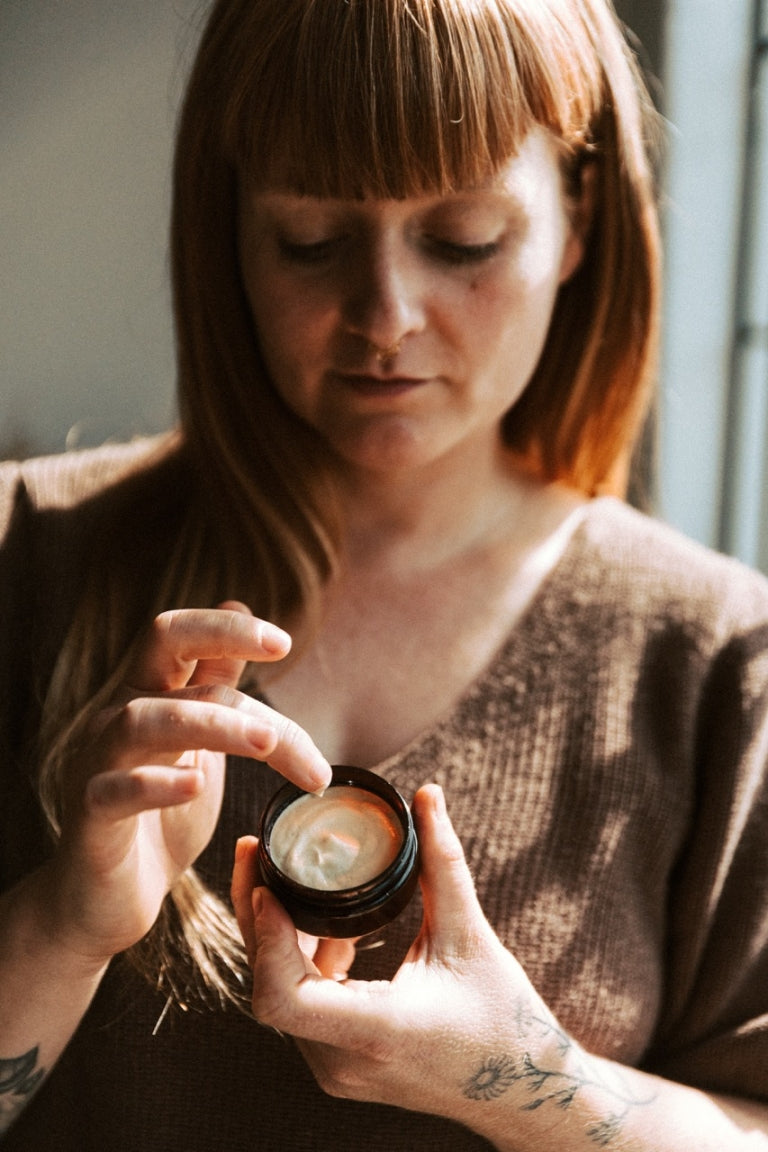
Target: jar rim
[(344, 911)]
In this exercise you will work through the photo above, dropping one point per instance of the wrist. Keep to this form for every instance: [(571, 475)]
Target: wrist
[(40, 930), (546, 1087)]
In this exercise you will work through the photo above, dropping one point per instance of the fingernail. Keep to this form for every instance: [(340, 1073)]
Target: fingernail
[(438, 796), (240, 846), (328, 776), (274, 640)]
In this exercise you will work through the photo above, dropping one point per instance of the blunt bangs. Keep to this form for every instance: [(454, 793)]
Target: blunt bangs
[(395, 98)]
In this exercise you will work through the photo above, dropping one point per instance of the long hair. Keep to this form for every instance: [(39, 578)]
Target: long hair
[(392, 98), (387, 98)]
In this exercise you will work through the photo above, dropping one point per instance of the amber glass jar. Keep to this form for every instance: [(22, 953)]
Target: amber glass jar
[(340, 908)]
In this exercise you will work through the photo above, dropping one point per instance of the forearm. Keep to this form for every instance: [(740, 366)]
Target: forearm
[(563, 1100), (45, 989)]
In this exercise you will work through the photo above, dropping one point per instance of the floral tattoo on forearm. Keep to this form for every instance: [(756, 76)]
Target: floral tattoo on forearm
[(555, 1087)]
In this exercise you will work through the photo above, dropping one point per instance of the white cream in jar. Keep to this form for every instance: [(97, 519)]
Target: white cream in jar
[(339, 840)]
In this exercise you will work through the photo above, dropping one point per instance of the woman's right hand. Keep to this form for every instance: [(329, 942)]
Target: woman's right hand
[(146, 787)]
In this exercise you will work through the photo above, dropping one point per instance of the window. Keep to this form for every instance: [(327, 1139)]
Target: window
[(714, 416)]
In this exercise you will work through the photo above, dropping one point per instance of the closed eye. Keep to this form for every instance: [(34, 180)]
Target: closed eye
[(451, 253), (312, 253), (444, 251)]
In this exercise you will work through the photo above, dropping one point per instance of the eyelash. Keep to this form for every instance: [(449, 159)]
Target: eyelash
[(305, 253), (443, 250), (464, 253)]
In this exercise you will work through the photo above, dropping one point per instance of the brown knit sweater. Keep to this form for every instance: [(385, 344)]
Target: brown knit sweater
[(606, 774)]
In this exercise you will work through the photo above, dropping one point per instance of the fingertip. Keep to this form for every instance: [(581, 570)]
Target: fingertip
[(274, 641), (323, 773), (431, 814), (437, 836), (99, 791), (191, 782), (431, 798), (244, 846), (117, 794)]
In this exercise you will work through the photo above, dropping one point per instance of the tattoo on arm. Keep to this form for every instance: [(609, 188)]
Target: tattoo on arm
[(498, 1074), (18, 1080)]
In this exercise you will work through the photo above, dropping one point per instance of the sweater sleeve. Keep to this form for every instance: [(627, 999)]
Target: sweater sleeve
[(55, 514), (714, 1030)]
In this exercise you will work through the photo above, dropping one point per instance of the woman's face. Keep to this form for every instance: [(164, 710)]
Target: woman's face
[(459, 287)]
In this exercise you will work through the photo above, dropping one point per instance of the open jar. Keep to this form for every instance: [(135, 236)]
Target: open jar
[(342, 864)]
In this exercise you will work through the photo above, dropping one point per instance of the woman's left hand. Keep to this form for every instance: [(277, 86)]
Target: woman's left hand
[(419, 1039), (460, 1031)]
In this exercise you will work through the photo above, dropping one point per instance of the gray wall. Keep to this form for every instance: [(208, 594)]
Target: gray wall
[(88, 91)]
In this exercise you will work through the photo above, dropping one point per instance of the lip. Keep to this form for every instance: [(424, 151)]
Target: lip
[(372, 385)]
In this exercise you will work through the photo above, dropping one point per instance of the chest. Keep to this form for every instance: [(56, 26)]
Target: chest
[(392, 656)]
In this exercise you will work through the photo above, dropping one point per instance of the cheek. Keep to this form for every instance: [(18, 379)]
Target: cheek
[(277, 313), (514, 307), (290, 334), (507, 322)]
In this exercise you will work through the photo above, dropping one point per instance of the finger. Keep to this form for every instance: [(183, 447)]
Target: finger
[(290, 993), (280, 966), (225, 670), (118, 795), (307, 943), (179, 639), (244, 880), (215, 718), (452, 914), (159, 729), (314, 947), (295, 755), (334, 958)]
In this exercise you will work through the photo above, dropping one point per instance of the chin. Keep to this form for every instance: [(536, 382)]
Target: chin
[(393, 448)]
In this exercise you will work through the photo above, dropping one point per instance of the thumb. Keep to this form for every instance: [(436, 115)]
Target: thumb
[(453, 917), (279, 965)]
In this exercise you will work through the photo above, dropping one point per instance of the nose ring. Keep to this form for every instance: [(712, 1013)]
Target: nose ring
[(383, 355)]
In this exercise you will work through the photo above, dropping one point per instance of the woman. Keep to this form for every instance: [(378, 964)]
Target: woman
[(415, 266)]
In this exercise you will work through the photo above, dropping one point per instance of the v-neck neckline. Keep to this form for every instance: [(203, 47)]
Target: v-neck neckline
[(531, 639)]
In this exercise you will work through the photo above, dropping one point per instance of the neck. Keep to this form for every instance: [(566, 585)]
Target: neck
[(426, 518)]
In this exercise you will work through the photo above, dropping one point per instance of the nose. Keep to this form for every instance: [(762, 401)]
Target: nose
[(385, 297)]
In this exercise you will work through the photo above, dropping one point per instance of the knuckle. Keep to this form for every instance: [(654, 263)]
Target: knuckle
[(128, 720), (351, 1075), (163, 625), (343, 1081), (169, 640), (215, 693), (270, 1007), (291, 737)]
